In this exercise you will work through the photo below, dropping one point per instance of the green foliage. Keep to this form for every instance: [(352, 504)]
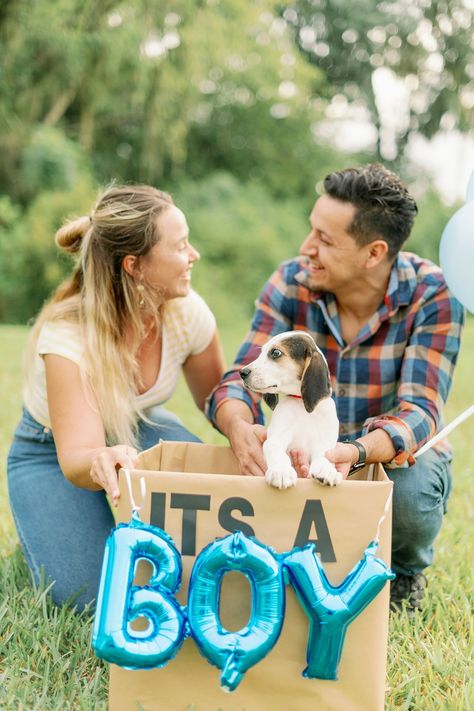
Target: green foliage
[(30, 264), (428, 44), (132, 82), (242, 233), (175, 94), (240, 229), (50, 161)]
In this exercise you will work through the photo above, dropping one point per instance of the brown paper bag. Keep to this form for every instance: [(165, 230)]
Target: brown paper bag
[(195, 493)]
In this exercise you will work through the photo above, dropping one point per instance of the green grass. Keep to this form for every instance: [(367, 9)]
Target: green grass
[(45, 658)]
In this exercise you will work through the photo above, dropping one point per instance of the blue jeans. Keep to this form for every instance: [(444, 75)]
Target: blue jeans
[(62, 528), (420, 495)]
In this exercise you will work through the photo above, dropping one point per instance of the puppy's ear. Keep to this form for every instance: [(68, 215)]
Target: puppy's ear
[(271, 400), (315, 384)]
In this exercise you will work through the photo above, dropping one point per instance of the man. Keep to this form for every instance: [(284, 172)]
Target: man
[(390, 331)]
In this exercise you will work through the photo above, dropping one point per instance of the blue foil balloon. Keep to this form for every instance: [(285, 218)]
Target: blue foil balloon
[(235, 652), (331, 609), (119, 602)]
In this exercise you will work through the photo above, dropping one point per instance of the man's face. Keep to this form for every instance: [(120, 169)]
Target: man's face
[(334, 260)]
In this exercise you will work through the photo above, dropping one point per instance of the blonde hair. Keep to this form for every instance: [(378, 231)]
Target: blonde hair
[(107, 302)]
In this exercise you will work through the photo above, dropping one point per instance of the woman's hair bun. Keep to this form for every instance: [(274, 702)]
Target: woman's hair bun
[(69, 237)]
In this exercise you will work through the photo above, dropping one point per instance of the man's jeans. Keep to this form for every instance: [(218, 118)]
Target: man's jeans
[(61, 527), (420, 495)]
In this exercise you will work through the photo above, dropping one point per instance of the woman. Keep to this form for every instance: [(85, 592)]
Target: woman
[(104, 355)]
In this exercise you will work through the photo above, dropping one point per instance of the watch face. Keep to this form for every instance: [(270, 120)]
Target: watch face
[(355, 468)]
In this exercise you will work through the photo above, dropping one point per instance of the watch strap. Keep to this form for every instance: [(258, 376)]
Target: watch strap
[(362, 454)]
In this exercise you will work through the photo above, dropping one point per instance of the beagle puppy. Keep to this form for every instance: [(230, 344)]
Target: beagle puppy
[(293, 376)]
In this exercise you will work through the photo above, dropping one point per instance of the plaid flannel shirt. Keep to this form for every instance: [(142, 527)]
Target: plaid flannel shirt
[(395, 375)]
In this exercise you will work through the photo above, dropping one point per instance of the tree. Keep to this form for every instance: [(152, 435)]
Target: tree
[(426, 44), (141, 86)]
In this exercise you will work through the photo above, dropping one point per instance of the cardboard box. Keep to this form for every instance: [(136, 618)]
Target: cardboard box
[(195, 493)]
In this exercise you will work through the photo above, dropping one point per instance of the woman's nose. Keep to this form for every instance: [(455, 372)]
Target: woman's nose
[(194, 255)]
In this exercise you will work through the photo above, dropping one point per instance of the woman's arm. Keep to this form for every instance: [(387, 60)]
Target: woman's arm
[(79, 436), (204, 371)]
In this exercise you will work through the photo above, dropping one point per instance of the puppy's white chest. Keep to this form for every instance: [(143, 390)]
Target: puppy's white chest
[(296, 428), (291, 423)]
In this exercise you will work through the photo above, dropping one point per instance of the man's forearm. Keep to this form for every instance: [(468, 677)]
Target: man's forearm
[(378, 445)]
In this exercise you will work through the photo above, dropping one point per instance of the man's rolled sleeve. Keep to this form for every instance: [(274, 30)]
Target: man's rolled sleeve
[(426, 378), (409, 429)]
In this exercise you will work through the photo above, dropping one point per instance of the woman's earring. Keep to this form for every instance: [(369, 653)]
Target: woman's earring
[(141, 298)]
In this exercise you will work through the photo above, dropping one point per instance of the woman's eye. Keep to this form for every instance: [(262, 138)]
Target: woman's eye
[(276, 353)]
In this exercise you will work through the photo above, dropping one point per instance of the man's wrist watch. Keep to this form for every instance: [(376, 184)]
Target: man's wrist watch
[(362, 454)]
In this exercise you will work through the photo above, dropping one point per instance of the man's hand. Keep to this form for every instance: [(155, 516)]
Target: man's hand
[(246, 440), (343, 456)]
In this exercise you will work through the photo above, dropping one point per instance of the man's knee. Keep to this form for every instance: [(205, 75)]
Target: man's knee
[(420, 494)]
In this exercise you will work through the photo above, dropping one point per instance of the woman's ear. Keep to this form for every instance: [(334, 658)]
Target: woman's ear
[(130, 264)]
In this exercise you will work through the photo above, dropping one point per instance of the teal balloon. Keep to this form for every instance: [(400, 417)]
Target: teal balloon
[(120, 602), (456, 255), (331, 609), (235, 652)]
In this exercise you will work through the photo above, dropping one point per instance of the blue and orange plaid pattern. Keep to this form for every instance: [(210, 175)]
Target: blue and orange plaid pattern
[(395, 375)]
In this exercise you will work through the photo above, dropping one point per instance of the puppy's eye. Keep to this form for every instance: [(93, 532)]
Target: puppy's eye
[(275, 353)]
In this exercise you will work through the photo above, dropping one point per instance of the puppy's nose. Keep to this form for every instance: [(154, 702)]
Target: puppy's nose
[(244, 373)]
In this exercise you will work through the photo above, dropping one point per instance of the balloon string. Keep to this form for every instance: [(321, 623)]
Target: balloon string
[(384, 515), (135, 508), (446, 430)]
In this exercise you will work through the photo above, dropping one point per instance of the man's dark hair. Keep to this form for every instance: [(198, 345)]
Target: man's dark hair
[(385, 208)]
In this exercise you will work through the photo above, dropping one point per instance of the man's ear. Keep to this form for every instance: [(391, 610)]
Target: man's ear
[(315, 384), (130, 264), (271, 399), (377, 251)]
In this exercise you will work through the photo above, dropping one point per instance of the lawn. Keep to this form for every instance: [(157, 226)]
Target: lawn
[(45, 658)]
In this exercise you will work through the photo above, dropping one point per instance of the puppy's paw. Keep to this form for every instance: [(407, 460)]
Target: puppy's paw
[(281, 477), (326, 473)]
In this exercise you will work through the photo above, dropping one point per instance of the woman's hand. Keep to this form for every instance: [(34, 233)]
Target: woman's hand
[(106, 464)]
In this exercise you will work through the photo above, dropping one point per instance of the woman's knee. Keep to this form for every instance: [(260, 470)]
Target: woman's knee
[(163, 425)]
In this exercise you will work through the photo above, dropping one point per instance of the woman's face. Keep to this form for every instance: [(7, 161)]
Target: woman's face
[(168, 264)]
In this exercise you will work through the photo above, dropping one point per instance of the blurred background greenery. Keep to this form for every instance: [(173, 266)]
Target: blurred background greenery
[(236, 108)]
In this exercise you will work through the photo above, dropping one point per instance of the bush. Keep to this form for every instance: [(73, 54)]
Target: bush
[(31, 266), (51, 161), (242, 233)]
